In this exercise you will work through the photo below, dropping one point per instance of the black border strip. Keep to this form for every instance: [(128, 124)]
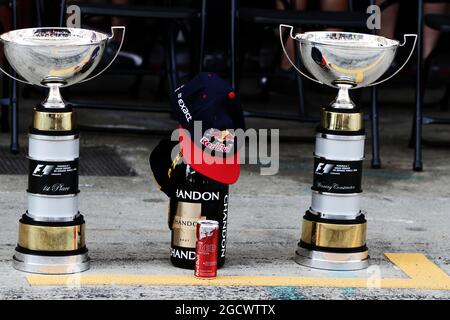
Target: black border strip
[(79, 220), (74, 132), (41, 108), (314, 218), (339, 161), (332, 249), (51, 253), (342, 110), (319, 129), (338, 193)]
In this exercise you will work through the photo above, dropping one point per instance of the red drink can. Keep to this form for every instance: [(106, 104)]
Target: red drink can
[(206, 249)]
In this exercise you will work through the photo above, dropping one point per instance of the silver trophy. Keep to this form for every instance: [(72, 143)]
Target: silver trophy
[(334, 228), (52, 231)]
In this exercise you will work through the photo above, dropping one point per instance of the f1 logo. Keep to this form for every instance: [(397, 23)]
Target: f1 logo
[(42, 170), (324, 168)]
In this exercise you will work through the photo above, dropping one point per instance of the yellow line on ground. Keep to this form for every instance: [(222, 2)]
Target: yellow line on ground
[(423, 272), (424, 275), (417, 266)]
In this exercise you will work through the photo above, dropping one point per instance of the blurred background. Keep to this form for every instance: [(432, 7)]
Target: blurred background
[(124, 112), (168, 42)]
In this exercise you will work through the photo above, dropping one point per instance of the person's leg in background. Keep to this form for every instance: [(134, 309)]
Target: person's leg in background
[(334, 5), (431, 36), (115, 21), (388, 20), (118, 21), (5, 21), (284, 63), (326, 5)]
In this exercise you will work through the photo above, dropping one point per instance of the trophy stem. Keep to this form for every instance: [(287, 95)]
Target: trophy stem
[(54, 98), (343, 100)]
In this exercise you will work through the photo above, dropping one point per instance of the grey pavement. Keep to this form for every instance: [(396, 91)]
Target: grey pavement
[(127, 229)]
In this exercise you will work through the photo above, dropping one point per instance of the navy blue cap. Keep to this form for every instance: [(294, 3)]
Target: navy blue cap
[(211, 100)]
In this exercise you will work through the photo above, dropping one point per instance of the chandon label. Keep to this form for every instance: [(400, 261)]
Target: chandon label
[(197, 195), (189, 204), (181, 253), (53, 178), (223, 230), (337, 176), (185, 223)]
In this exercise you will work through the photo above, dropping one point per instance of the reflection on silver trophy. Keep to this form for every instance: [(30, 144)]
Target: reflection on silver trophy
[(55, 57), (334, 227), (52, 231)]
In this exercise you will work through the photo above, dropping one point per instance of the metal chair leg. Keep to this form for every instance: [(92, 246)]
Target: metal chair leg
[(376, 161), (233, 49), (14, 147), (171, 63), (62, 12), (201, 55), (38, 13), (301, 97), (424, 75), (418, 166), (298, 61)]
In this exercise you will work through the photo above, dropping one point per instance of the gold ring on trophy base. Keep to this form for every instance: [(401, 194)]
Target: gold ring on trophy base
[(53, 121), (330, 235), (46, 238), (341, 121)]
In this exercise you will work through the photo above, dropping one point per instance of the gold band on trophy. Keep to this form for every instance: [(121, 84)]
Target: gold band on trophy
[(341, 121), (53, 121), (45, 238), (330, 235)]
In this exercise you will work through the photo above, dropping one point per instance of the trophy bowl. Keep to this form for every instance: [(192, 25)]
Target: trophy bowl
[(54, 55), (345, 60), (337, 58)]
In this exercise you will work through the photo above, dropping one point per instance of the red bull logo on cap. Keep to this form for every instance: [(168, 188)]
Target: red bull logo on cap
[(218, 140)]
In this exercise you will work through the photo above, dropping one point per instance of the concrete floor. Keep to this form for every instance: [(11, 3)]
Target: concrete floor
[(127, 217)]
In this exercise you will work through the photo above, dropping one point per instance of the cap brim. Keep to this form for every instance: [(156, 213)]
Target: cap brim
[(208, 165)]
